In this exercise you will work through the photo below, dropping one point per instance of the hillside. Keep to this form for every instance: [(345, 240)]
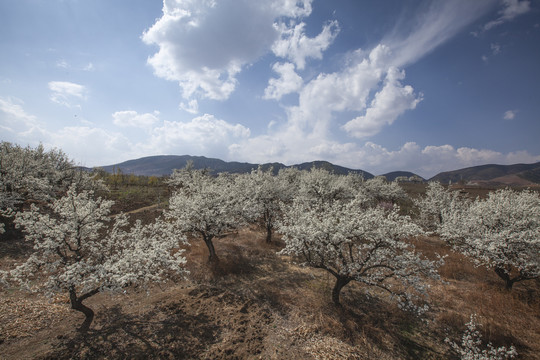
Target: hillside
[(256, 304), (492, 173), (165, 164), (391, 176)]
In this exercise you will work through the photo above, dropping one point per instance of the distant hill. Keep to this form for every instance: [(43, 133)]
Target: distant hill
[(518, 174), (165, 164), (491, 174), (391, 176), (336, 169)]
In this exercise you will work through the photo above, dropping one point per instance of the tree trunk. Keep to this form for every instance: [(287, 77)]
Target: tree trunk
[(212, 257), (506, 277), (340, 283), (76, 304), (268, 233)]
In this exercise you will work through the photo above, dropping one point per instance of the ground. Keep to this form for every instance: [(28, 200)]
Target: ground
[(255, 304)]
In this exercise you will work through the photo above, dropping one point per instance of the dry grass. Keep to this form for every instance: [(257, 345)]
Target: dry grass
[(255, 303)]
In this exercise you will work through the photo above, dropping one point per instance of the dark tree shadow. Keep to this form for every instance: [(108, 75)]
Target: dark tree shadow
[(118, 335)]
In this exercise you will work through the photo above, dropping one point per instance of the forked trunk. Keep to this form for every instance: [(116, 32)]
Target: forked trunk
[(340, 283), (76, 304)]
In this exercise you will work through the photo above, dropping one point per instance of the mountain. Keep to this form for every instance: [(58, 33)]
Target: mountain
[(517, 174), (391, 176), (336, 169), (491, 174), (165, 164)]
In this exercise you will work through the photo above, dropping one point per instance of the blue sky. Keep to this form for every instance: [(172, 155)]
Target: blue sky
[(423, 86)]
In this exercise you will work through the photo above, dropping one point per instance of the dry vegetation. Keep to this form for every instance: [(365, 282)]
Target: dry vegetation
[(254, 304)]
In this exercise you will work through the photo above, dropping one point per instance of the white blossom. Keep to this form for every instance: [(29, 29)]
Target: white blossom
[(347, 234), (471, 342), (78, 253), (437, 200), (501, 232), (204, 205), (37, 175), (263, 195)]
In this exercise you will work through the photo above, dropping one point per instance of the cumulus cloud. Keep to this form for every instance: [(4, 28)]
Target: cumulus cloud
[(202, 135), (91, 146), (288, 82), (426, 161), (350, 90), (65, 92), (204, 44), (511, 9), (81, 143), (294, 45), (130, 118), (389, 103)]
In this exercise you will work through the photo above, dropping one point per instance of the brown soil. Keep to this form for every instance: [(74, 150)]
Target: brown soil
[(254, 304)]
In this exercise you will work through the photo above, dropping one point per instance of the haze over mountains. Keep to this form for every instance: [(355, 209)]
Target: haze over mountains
[(517, 174)]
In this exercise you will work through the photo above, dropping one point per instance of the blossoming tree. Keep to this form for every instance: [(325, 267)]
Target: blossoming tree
[(79, 254), (262, 197), (437, 200), (501, 232), (34, 174), (355, 241), (205, 206)]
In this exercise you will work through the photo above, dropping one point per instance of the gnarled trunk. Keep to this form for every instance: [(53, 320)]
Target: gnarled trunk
[(505, 275), (341, 281), (76, 304)]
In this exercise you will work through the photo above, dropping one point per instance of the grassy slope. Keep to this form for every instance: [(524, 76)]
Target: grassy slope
[(256, 304)]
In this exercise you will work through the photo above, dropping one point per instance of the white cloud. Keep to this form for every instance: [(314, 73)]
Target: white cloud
[(204, 44), (441, 21), (350, 90), (191, 107), (511, 9), (202, 135), (13, 110), (64, 92), (371, 157), (91, 146), (130, 118), (389, 103), (209, 136), (84, 144), (510, 115), (288, 82), (296, 46)]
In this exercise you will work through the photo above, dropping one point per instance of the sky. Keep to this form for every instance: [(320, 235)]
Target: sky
[(412, 85)]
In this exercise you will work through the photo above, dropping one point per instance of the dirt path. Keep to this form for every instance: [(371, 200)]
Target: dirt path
[(145, 208)]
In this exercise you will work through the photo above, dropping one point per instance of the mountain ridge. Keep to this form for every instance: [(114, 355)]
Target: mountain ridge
[(160, 165)]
